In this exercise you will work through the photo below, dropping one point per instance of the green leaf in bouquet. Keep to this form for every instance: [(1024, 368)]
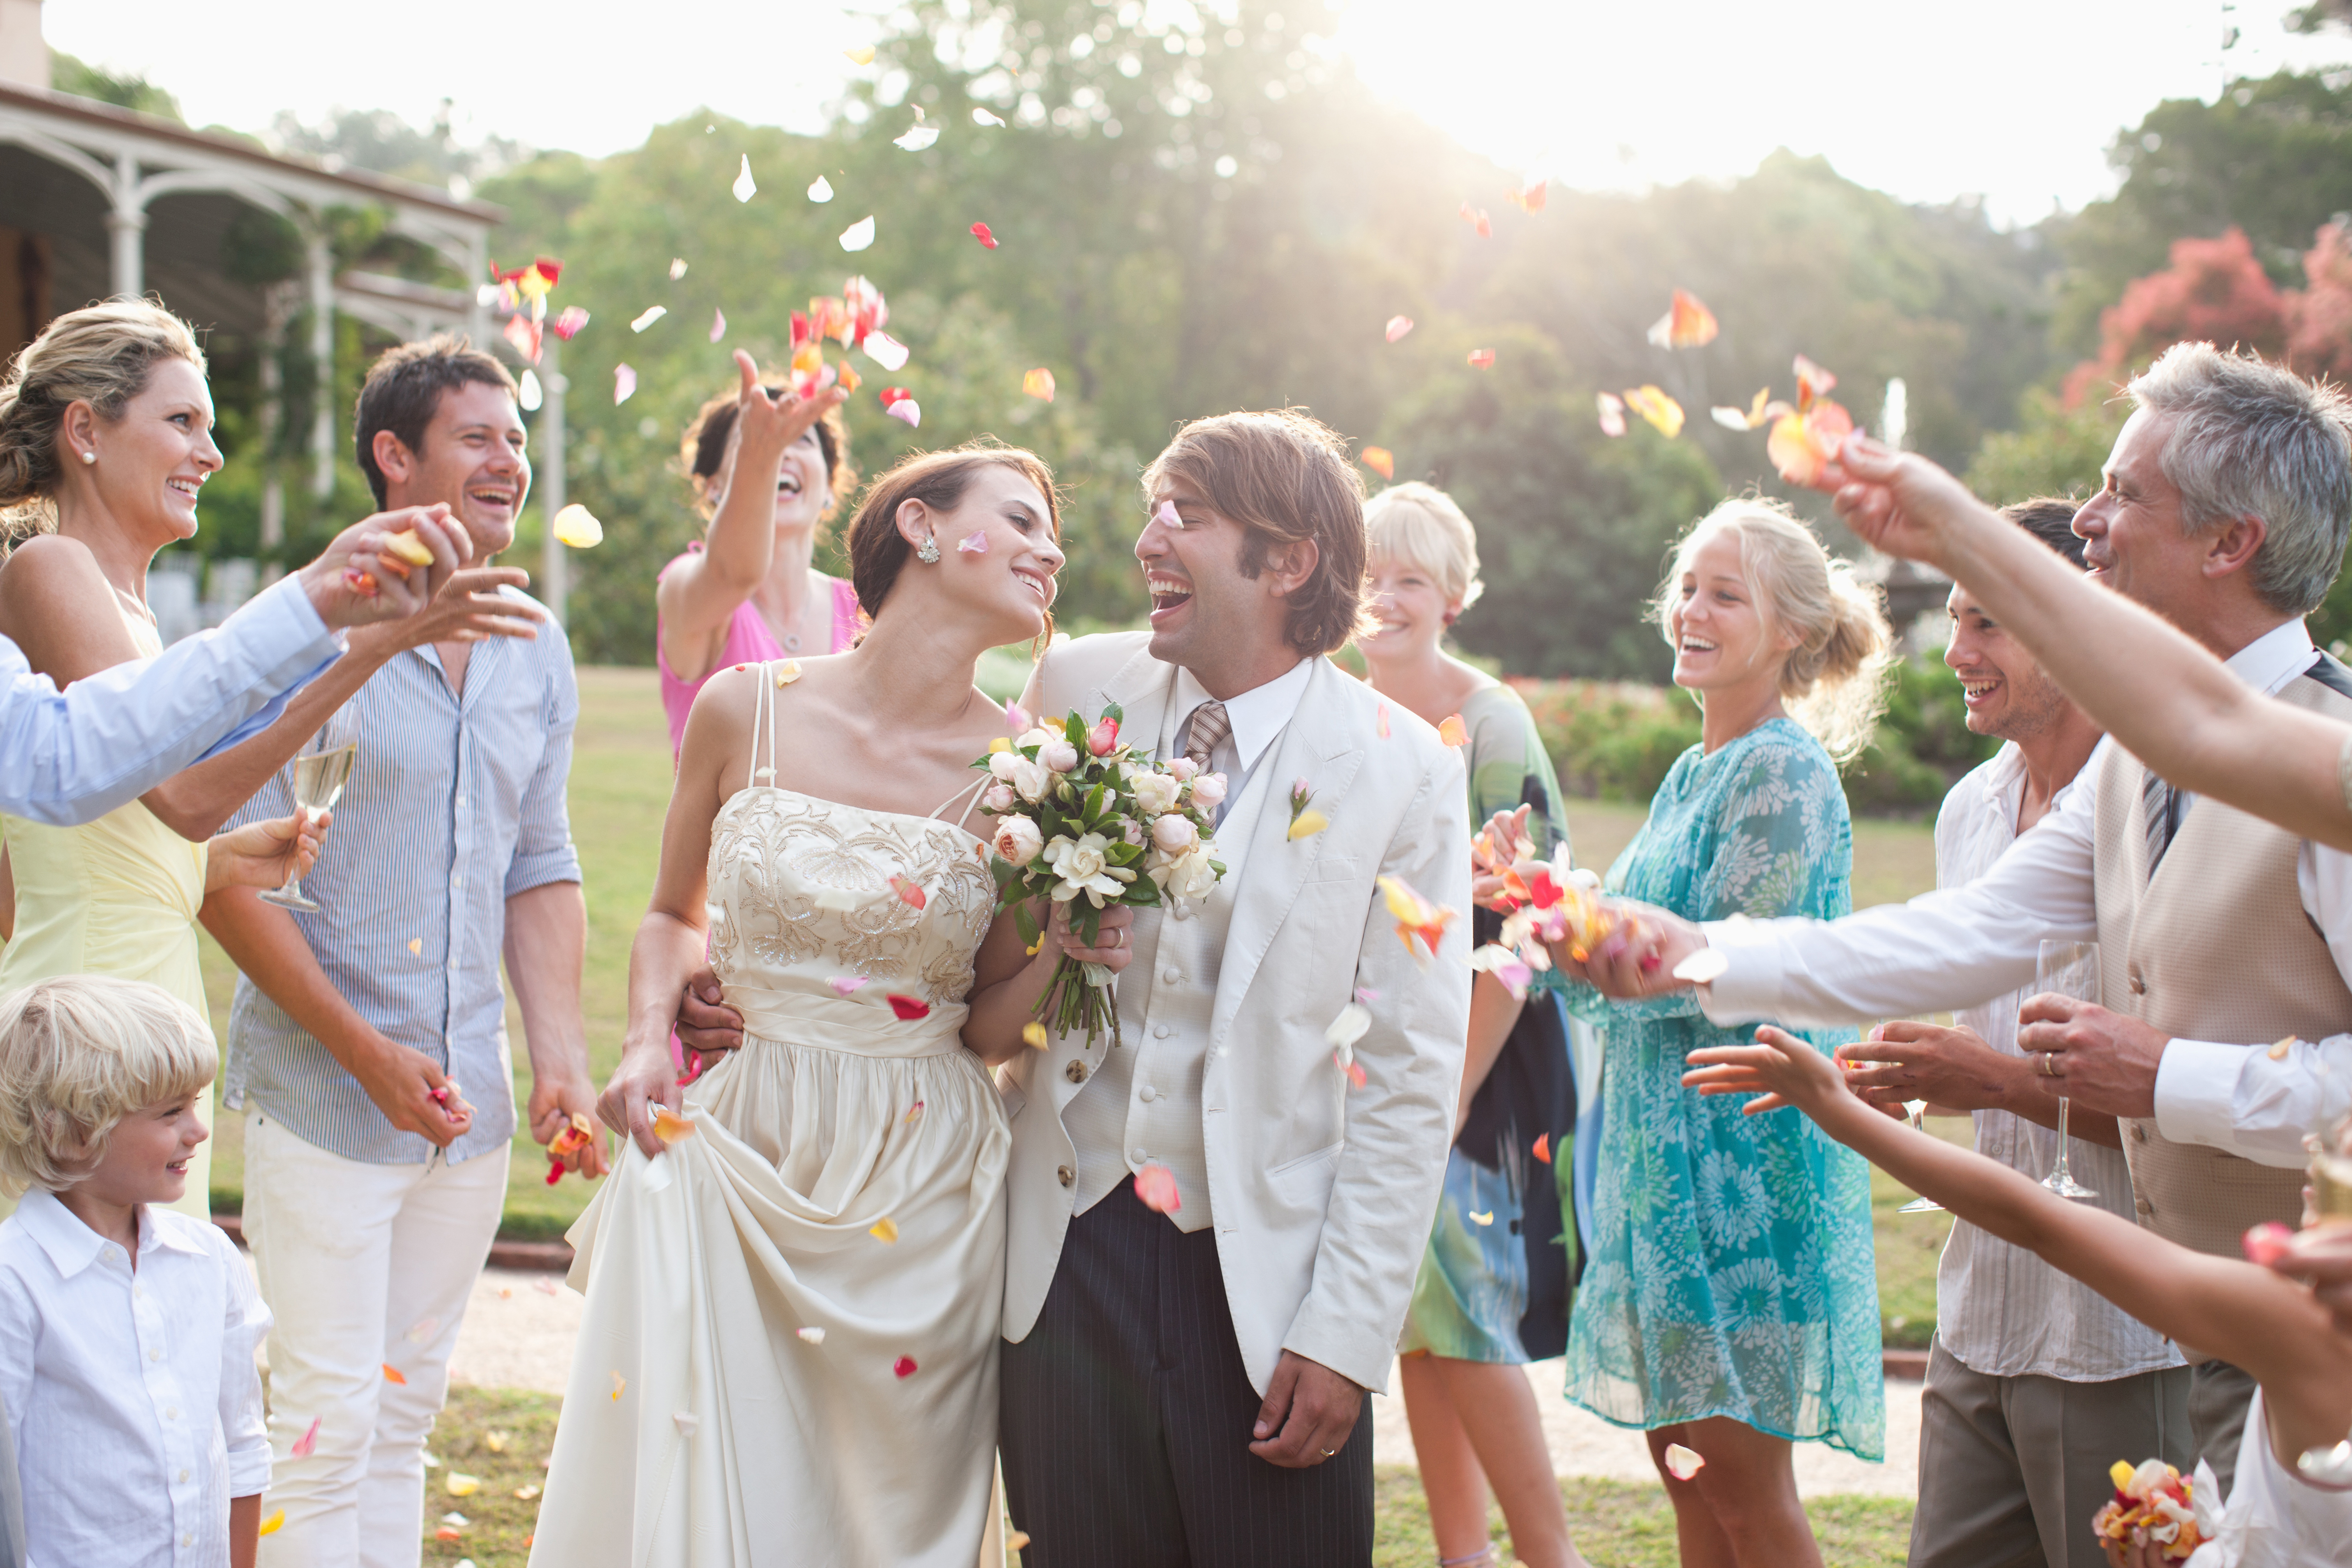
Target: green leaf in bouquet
[(1003, 870), (1026, 924), (1143, 892), (1094, 805), (1121, 853), (1115, 712), (1074, 729)]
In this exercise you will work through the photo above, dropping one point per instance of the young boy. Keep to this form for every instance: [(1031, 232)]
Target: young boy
[(2278, 1330), (127, 1331)]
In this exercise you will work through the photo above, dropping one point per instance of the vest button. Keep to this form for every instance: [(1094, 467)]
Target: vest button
[(2139, 1131), (2138, 981), (1076, 1072), (2146, 1208), (1159, 1032), (1065, 1175), (1146, 1094)]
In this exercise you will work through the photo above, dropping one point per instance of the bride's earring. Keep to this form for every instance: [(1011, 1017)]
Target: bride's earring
[(928, 552)]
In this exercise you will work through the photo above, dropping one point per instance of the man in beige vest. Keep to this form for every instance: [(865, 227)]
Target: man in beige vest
[(2224, 509)]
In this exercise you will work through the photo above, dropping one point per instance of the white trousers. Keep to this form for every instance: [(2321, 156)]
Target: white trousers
[(363, 1267)]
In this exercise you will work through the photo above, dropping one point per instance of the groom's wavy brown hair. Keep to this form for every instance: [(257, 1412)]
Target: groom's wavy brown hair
[(1285, 477)]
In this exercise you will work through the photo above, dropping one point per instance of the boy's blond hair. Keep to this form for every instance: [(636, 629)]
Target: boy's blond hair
[(77, 1054)]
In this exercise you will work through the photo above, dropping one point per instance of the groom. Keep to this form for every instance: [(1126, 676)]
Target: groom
[(1186, 1387)]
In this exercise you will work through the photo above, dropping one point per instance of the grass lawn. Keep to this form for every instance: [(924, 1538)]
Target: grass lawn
[(1621, 1523)]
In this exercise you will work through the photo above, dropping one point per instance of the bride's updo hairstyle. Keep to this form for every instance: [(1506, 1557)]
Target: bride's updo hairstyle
[(879, 551), (1834, 680), (102, 355)]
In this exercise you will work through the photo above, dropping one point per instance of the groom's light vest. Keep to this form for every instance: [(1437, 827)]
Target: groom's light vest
[(2216, 946)]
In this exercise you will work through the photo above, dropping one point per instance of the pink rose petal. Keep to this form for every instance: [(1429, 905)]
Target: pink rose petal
[(844, 984), (908, 409), (974, 542)]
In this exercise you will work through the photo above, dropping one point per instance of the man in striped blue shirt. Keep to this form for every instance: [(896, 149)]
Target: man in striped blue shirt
[(373, 1187)]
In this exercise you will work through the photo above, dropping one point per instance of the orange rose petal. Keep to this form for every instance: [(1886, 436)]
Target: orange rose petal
[(1482, 358), (1542, 1150), (392, 1373), (1039, 383), (670, 1126), (1687, 324), (1663, 412), (1452, 731), (910, 891), (1380, 460)]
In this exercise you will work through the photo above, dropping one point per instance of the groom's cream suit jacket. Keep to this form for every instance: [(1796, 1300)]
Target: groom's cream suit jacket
[(1321, 1194)]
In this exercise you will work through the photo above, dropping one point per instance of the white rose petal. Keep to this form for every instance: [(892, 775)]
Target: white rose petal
[(1208, 791), (1155, 793), (1174, 834), (1058, 755), (1031, 779)]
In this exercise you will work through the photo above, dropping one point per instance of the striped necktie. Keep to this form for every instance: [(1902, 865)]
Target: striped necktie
[(2160, 805), (1209, 731)]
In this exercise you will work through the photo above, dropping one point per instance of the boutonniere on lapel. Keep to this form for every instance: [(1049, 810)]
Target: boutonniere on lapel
[(1084, 822), (1304, 821)]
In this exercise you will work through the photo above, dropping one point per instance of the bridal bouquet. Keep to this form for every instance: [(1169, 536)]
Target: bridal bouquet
[(1082, 820)]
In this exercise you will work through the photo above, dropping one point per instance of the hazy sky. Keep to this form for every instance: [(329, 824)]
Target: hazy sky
[(2016, 100)]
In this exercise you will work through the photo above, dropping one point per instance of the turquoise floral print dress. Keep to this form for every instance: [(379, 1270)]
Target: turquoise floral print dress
[(1732, 1270)]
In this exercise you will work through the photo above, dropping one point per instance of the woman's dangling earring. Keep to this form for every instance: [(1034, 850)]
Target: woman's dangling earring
[(928, 552)]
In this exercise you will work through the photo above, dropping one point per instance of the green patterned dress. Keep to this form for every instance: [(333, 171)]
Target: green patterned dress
[(1732, 1271), (1499, 1272)]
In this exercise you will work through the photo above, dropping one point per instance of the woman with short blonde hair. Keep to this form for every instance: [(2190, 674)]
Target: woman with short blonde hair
[(1731, 1306)]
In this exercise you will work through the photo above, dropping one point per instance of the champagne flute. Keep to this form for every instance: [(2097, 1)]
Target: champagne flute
[(1916, 1110), (2068, 969), (316, 775), (2331, 1150)]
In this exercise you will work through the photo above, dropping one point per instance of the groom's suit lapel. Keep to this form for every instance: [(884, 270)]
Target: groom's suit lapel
[(1318, 746), (1142, 687)]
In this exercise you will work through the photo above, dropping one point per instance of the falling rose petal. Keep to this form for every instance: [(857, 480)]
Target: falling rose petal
[(624, 384), (908, 409), (1812, 382), (577, 527), (859, 234), (528, 393), (568, 322), (909, 1009), (745, 187), (677, 268), (885, 1230), (670, 1128), (1398, 327), (1416, 916), (1367, 995), (1476, 218), (620, 1385), (718, 324), (981, 117), (273, 1524), (1165, 516), (861, 56), (916, 1112), (1663, 412), (523, 333), (416, 945), (2278, 1052), (394, 1374), (1478, 1219), (910, 891), (894, 394), (1019, 1538), (459, 1485), (885, 351), (1016, 717), (1529, 198), (1380, 460), (1687, 324), (543, 1285), (422, 1330), (1307, 824), (973, 543), (1703, 967), (820, 190), (1155, 1188), (844, 984), (495, 1441), (904, 1367), (686, 1421), (448, 1532), (811, 1334), (1683, 1463), (980, 233), (526, 1494), (1452, 731), (2266, 1243), (1384, 720), (850, 380), (1542, 1151), (307, 1443), (1612, 412), (1803, 445), (1482, 358), (1035, 1037), (918, 137), (1039, 383), (1355, 1072)]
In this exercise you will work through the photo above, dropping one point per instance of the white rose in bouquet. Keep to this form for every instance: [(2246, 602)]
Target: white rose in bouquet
[(1058, 755), (1030, 781), (1174, 834), (1155, 793), (1208, 791), (1006, 764), (1083, 865), (1018, 840), (1038, 735), (1190, 877)]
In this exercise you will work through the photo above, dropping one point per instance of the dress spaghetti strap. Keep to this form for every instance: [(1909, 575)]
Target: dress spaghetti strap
[(764, 706), (970, 797)]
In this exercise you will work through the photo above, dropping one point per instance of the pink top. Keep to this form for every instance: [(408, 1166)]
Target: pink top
[(749, 641)]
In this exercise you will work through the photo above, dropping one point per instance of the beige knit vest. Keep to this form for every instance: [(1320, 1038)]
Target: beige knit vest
[(2216, 947)]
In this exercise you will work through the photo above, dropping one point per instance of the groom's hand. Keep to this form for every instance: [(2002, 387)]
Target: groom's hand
[(705, 1023), (1307, 1415)]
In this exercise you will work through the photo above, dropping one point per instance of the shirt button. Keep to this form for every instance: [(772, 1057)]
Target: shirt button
[(1140, 1156), (1147, 1094), (171, 1412), (1066, 1175), (188, 1538), (154, 1355), (184, 1475), (1171, 974), (1076, 1072), (457, 879), (1159, 1032)]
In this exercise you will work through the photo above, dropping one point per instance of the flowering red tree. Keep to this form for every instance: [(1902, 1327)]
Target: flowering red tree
[(2319, 319)]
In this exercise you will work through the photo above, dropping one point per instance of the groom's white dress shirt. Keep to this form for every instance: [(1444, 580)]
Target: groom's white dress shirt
[(1319, 1194), (74, 756), (1970, 944)]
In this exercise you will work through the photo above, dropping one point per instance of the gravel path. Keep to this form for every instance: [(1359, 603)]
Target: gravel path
[(520, 1328)]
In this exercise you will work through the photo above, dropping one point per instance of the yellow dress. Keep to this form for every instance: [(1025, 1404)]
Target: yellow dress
[(117, 897)]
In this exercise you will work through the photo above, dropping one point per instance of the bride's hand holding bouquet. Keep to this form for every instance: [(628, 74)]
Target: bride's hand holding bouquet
[(1083, 823)]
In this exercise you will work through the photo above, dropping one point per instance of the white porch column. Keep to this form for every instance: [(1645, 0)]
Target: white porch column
[(278, 304), (126, 229), (555, 570), (319, 265)]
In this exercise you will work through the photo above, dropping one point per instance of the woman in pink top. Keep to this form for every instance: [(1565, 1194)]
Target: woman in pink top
[(748, 592)]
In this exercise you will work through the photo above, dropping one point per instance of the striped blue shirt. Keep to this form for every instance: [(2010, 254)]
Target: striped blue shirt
[(454, 808)]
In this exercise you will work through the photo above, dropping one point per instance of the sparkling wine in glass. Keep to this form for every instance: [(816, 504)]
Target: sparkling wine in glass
[(1917, 1111), (316, 775), (2067, 969)]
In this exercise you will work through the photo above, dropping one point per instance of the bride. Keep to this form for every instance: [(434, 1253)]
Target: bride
[(794, 1280)]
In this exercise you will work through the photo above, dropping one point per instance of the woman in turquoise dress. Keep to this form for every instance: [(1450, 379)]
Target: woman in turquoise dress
[(1496, 1279), (1730, 1304)]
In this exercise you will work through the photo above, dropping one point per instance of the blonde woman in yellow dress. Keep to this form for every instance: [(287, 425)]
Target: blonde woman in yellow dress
[(105, 440)]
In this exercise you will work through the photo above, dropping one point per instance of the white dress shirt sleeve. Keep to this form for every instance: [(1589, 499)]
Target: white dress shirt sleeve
[(2240, 1100), (1954, 948), (109, 738), (245, 1429)]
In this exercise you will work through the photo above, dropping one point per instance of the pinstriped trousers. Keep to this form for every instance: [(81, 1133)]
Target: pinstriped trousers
[(1125, 1416)]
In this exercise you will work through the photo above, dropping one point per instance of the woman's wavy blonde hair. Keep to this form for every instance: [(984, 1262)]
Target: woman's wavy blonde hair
[(77, 1054), (1834, 680), (101, 355)]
